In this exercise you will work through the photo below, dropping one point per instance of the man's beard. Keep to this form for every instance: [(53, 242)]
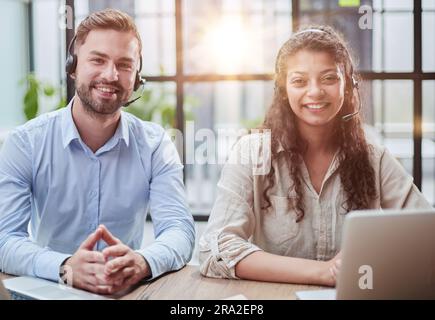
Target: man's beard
[(104, 106)]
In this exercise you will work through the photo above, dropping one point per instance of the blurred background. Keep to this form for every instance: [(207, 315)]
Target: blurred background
[(209, 63)]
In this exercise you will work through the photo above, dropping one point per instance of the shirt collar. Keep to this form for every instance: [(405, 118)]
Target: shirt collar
[(122, 132), (70, 132), (332, 168)]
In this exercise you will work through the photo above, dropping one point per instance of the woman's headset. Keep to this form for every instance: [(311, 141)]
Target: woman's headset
[(354, 81)]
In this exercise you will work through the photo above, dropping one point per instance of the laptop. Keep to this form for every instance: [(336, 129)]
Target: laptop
[(29, 288), (385, 255)]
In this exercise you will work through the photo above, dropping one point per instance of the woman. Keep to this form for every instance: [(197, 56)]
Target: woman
[(285, 224)]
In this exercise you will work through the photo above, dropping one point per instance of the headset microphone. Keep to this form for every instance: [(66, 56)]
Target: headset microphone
[(355, 85), (142, 82)]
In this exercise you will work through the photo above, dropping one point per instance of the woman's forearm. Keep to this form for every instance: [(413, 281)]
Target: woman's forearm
[(269, 267)]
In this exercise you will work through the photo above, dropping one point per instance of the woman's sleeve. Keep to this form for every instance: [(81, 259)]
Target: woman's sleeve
[(397, 188), (226, 239)]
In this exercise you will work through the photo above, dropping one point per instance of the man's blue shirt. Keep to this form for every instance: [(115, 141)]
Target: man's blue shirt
[(50, 178)]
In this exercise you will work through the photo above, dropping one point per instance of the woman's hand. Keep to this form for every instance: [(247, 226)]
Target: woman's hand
[(332, 270)]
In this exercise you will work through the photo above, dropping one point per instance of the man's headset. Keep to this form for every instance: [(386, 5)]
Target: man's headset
[(354, 83), (71, 64)]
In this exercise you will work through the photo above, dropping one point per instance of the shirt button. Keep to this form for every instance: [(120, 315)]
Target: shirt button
[(93, 193)]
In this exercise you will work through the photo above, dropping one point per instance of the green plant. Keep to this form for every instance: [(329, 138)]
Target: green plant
[(154, 105), (37, 88), (158, 105)]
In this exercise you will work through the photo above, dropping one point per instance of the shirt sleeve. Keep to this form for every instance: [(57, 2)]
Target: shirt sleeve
[(19, 255), (397, 188), (172, 221), (226, 239)]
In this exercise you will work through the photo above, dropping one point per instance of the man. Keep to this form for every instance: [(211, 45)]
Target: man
[(81, 179)]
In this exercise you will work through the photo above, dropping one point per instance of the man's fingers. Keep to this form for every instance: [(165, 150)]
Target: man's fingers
[(108, 237), (96, 280), (121, 262), (94, 268), (120, 275), (117, 278), (117, 250), (102, 279), (92, 240), (99, 289), (94, 257), (129, 281)]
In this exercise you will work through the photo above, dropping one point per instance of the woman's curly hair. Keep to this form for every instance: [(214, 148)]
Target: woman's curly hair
[(356, 173)]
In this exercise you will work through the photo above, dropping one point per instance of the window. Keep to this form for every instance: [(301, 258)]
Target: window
[(14, 62), (217, 57), (428, 25), (392, 102), (222, 112), (393, 33), (233, 37)]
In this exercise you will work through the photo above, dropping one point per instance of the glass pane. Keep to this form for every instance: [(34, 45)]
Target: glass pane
[(158, 44), (428, 146), (48, 38), (81, 9), (378, 42), (155, 7), (393, 42), (428, 4), (156, 22), (231, 37), (398, 5), (393, 118), (219, 113), (13, 62), (377, 5), (428, 27)]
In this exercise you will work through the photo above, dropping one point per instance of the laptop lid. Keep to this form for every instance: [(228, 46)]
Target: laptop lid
[(41, 289), (388, 255)]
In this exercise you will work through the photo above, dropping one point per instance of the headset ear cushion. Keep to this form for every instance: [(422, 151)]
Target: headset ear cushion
[(137, 81), (355, 84), (70, 64)]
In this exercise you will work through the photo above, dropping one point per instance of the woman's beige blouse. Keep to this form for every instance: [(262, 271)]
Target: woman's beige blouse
[(238, 227)]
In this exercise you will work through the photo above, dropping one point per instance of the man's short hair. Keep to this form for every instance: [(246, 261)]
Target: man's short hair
[(109, 19)]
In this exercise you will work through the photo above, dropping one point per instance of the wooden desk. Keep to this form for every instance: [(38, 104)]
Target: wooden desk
[(188, 284)]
